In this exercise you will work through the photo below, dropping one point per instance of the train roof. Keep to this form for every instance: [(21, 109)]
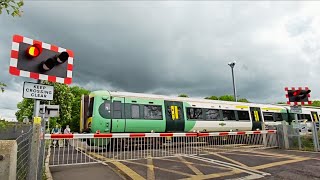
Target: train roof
[(172, 98)]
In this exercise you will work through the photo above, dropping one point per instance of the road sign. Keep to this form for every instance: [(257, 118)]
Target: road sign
[(296, 109), (49, 110), (37, 91), (39, 60)]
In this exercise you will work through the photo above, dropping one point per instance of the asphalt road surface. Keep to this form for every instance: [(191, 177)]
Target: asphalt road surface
[(240, 164)]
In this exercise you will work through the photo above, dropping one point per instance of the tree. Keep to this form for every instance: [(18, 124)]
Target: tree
[(316, 103), (243, 100), (183, 95), (281, 103), (75, 119), (12, 7), (2, 86), (226, 98), (212, 98)]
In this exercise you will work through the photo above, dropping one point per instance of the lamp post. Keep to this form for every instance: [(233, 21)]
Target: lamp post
[(232, 64)]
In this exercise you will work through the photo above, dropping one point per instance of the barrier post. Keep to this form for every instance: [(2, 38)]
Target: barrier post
[(315, 137), (285, 135), (35, 147)]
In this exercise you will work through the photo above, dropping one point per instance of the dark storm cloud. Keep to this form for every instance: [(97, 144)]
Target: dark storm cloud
[(163, 47)]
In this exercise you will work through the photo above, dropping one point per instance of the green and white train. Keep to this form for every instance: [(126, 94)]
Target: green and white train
[(124, 112)]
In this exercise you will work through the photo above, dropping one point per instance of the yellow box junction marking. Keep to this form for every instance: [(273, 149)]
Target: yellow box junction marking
[(119, 165), (162, 169), (194, 169), (264, 166), (150, 172), (228, 159)]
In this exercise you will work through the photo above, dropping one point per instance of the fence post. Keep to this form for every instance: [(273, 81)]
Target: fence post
[(35, 147), (285, 135), (315, 137), (264, 136)]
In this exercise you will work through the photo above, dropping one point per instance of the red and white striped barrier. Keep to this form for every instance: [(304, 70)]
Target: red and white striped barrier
[(136, 135)]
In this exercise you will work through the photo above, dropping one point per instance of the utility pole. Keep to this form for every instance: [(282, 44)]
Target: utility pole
[(232, 64)]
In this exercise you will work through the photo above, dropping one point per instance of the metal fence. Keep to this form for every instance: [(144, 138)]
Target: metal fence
[(297, 138), (23, 154), (68, 149)]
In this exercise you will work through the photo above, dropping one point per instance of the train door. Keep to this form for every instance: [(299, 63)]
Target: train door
[(118, 121), (84, 113), (174, 116), (256, 118)]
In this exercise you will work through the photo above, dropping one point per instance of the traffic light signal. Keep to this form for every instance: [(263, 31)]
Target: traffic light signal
[(39, 60), (298, 96)]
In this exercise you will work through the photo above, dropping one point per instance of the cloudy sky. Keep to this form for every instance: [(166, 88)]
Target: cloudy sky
[(169, 48)]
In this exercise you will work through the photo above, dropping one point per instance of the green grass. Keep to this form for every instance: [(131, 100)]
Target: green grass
[(306, 142)]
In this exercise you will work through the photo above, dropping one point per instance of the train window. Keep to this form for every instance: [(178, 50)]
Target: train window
[(152, 112), (90, 112), (212, 114), (117, 110), (268, 116), (194, 113), (135, 111), (228, 115), (278, 117), (104, 110), (243, 115), (304, 116)]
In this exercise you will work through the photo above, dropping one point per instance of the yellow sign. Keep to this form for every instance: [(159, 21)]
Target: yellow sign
[(315, 117), (242, 107), (271, 109), (256, 116), (37, 120), (174, 112)]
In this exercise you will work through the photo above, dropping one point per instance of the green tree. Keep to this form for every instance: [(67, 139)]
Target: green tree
[(226, 98), (183, 95), (12, 7), (316, 103), (243, 100), (2, 86), (76, 104), (212, 98), (25, 109), (281, 103)]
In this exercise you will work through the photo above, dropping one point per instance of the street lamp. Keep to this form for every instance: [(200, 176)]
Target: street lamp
[(232, 64)]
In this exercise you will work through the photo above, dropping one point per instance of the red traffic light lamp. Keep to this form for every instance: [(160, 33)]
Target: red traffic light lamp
[(34, 50)]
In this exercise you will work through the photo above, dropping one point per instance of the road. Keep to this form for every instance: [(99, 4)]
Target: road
[(245, 164)]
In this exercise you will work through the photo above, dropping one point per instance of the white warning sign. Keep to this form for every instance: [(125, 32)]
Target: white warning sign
[(37, 91)]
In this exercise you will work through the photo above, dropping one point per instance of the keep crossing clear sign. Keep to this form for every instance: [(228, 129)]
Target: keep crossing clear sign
[(37, 91)]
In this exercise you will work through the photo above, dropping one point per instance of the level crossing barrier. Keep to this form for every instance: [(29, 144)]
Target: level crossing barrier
[(68, 149)]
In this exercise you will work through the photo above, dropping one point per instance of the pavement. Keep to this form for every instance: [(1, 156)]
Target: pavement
[(239, 164)]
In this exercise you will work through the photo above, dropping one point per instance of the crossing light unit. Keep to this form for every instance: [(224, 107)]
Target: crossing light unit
[(39, 60), (298, 96)]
